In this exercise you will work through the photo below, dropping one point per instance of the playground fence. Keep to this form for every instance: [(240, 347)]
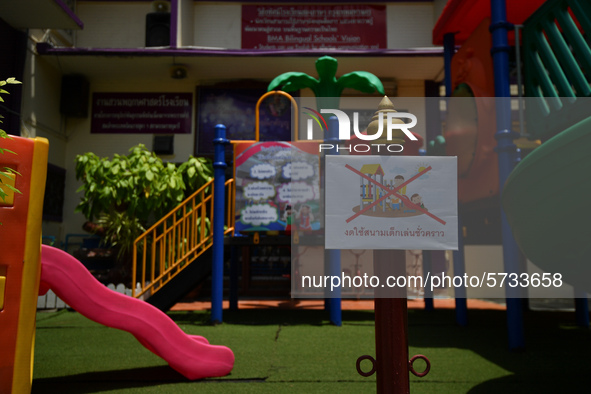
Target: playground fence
[(51, 301)]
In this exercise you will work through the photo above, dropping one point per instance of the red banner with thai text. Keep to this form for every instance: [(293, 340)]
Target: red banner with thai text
[(303, 27), (141, 113)]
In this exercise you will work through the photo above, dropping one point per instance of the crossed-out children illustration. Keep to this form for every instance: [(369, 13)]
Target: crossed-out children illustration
[(395, 203), (303, 217), (378, 198)]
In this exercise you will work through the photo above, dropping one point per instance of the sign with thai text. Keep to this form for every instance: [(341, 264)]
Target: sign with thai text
[(303, 27), (277, 186), (391, 202), (141, 113)]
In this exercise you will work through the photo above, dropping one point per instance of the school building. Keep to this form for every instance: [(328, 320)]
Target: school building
[(77, 59)]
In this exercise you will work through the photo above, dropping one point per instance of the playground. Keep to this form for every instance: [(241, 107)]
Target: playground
[(284, 194)]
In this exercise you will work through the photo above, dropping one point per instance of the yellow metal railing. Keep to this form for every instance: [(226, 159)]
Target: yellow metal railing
[(177, 239)]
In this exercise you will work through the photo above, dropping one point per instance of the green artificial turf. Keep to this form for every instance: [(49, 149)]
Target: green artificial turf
[(298, 351)]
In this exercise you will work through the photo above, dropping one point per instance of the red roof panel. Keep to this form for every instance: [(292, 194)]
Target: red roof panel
[(463, 16)]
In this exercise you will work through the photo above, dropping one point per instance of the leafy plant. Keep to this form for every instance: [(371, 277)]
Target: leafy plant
[(197, 171), (120, 231), (127, 193), (6, 173), (327, 84)]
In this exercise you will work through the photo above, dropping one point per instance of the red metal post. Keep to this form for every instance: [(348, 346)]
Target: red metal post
[(391, 325)]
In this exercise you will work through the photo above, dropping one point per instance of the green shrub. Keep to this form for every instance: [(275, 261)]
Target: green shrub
[(125, 194), (6, 172)]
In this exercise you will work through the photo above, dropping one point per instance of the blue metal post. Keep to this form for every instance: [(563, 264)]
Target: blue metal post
[(449, 48), (333, 256), (427, 292), (234, 265), (506, 151), (582, 308), (459, 270), (219, 197)]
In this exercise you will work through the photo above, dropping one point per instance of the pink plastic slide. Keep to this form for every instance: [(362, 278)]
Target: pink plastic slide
[(190, 355)]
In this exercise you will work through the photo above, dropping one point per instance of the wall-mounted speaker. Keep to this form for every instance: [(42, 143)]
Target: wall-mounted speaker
[(74, 96), (158, 29)]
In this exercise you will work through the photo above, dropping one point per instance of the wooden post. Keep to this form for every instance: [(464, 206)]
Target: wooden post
[(391, 324)]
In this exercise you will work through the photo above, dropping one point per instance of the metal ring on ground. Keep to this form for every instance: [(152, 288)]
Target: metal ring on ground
[(373, 366), (411, 368)]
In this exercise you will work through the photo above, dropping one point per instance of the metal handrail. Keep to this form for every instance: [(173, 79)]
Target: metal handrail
[(176, 240)]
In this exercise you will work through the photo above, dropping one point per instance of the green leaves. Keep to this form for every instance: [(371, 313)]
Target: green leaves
[(327, 84), (8, 172), (135, 190), (11, 81), (149, 175), (191, 172), (292, 81), (361, 80), (196, 172), (121, 230)]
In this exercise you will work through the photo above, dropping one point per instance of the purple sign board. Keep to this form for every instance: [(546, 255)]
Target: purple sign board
[(141, 113)]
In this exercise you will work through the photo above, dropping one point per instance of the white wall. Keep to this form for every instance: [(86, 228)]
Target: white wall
[(438, 6), (69, 137), (112, 24), (40, 109), (185, 30), (409, 25), (217, 25), (40, 114)]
